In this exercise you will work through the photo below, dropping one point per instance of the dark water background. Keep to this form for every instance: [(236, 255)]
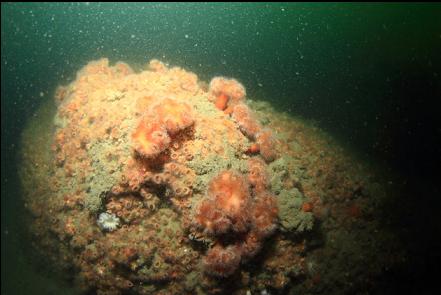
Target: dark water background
[(367, 73)]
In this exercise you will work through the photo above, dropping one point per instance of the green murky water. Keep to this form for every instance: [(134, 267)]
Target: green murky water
[(367, 73)]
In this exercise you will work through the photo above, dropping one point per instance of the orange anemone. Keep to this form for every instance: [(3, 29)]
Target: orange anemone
[(221, 101), (174, 115), (150, 138), (230, 192)]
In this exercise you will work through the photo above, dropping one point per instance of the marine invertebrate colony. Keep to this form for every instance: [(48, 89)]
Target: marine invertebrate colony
[(229, 87), (226, 91), (247, 123), (165, 119), (230, 207), (154, 183), (222, 261), (134, 144), (174, 116), (150, 137), (226, 207)]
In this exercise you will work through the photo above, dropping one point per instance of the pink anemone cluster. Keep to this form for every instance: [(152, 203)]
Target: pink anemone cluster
[(233, 211), (226, 91), (162, 120)]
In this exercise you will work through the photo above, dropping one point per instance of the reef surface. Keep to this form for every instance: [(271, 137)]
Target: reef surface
[(154, 182)]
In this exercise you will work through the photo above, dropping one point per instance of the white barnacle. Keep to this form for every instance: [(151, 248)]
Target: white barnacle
[(107, 221)]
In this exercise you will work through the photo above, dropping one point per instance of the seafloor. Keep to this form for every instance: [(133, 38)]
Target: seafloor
[(154, 182)]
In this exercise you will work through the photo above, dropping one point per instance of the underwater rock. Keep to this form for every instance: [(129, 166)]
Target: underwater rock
[(151, 182)]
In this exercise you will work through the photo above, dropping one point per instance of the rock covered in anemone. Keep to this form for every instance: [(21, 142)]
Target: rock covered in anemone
[(158, 156)]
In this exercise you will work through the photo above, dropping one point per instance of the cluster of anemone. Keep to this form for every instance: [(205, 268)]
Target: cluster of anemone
[(179, 185), (222, 261), (257, 175), (153, 134), (248, 125), (229, 95), (225, 209), (173, 115), (175, 180), (266, 142), (182, 178), (150, 138), (238, 217), (185, 154), (129, 209), (156, 65), (122, 69), (226, 92)]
